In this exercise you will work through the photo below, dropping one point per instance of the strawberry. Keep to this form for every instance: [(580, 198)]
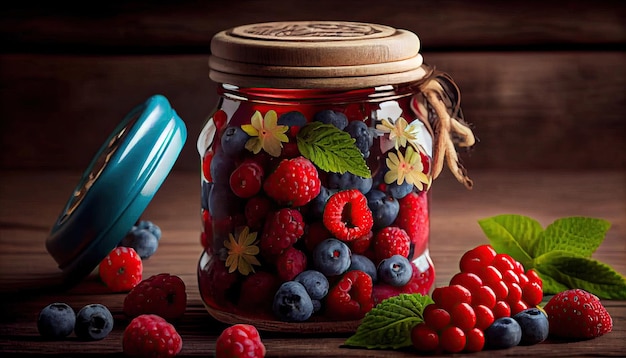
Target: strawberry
[(413, 218), (295, 182), (121, 269), (161, 294), (577, 314), (390, 241)]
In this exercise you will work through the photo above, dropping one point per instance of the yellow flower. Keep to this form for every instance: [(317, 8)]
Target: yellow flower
[(409, 168), (242, 252), (400, 132), (266, 133)]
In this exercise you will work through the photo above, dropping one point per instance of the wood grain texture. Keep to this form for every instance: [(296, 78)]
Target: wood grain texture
[(29, 203)]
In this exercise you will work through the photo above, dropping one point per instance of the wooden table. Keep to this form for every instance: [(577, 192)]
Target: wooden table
[(30, 202)]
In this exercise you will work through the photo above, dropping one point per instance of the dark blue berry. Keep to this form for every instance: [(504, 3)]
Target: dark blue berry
[(384, 208), (363, 263), (292, 303), (331, 257), (395, 270), (56, 320), (221, 167), (143, 241), (399, 191), (223, 202), (329, 116), (317, 305), (503, 333), (292, 119), (319, 202), (93, 322), (150, 226), (315, 283), (534, 324), (206, 194), (362, 135), (233, 141), (348, 180)]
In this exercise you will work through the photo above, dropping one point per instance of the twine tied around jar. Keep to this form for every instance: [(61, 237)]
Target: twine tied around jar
[(450, 130)]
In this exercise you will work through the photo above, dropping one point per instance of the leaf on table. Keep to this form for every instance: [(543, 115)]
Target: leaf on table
[(578, 235), (511, 234)]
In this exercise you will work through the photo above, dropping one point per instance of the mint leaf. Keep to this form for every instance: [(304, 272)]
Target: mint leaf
[(389, 324), (513, 235), (331, 149), (578, 235), (577, 271)]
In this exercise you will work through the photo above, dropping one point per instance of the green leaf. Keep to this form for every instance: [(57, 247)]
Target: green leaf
[(512, 234), (389, 324), (550, 285), (331, 149), (578, 235), (575, 271)]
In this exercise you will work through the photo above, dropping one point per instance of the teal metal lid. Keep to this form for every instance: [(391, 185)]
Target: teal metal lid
[(117, 186)]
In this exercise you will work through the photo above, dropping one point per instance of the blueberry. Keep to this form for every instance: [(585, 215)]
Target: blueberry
[(292, 303), (384, 208), (504, 332), (534, 324), (395, 270), (348, 180), (93, 322), (56, 320), (331, 257), (221, 167), (362, 263), (143, 241), (206, 194), (399, 191), (328, 116), (223, 202), (362, 135), (315, 283), (233, 141), (317, 305), (292, 119), (319, 202), (150, 226)]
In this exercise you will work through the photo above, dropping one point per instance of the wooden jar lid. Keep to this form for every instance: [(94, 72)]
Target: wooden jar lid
[(315, 54)]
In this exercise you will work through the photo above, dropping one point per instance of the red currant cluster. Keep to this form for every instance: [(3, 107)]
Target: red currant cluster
[(489, 286)]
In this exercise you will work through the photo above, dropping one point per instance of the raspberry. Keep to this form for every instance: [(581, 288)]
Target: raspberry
[(257, 291), (424, 338), (282, 229), (290, 263), (361, 244), (295, 182), (121, 269), (414, 219), (238, 341), (315, 233), (452, 339), (219, 282), (351, 297), (163, 295), (256, 210), (347, 216), (246, 180), (390, 241), (151, 336)]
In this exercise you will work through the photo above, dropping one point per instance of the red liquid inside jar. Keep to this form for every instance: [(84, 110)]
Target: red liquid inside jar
[(240, 272)]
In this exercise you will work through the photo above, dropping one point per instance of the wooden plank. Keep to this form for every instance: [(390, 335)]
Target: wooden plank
[(559, 110), (187, 26)]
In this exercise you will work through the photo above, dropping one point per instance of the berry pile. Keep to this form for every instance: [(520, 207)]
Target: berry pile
[(363, 238), (478, 304)]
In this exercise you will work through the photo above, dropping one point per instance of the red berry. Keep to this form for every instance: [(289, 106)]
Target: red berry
[(435, 317), (295, 182), (163, 295), (510, 276), (449, 296), (121, 269), (219, 119), (452, 339), (256, 211), (523, 279), (577, 314), (422, 279), (257, 291), (479, 256), (490, 275), (217, 281), (391, 241), (519, 268), (413, 218), (484, 317), (347, 216), (424, 339), (475, 340), (517, 307), (246, 180), (468, 280), (463, 316), (206, 165), (151, 336), (500, 289), (503, 262), (485, 296), (533, 276), (351, 297), (315, 233), (515, 293), (239, 341), (501, 309), (282, 229), (361, 244), (532, 293), (290, 263)]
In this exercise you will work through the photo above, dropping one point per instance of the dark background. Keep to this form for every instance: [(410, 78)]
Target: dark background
[(543, 83)]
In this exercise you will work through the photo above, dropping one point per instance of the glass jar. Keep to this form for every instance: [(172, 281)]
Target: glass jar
[(320, 157)]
